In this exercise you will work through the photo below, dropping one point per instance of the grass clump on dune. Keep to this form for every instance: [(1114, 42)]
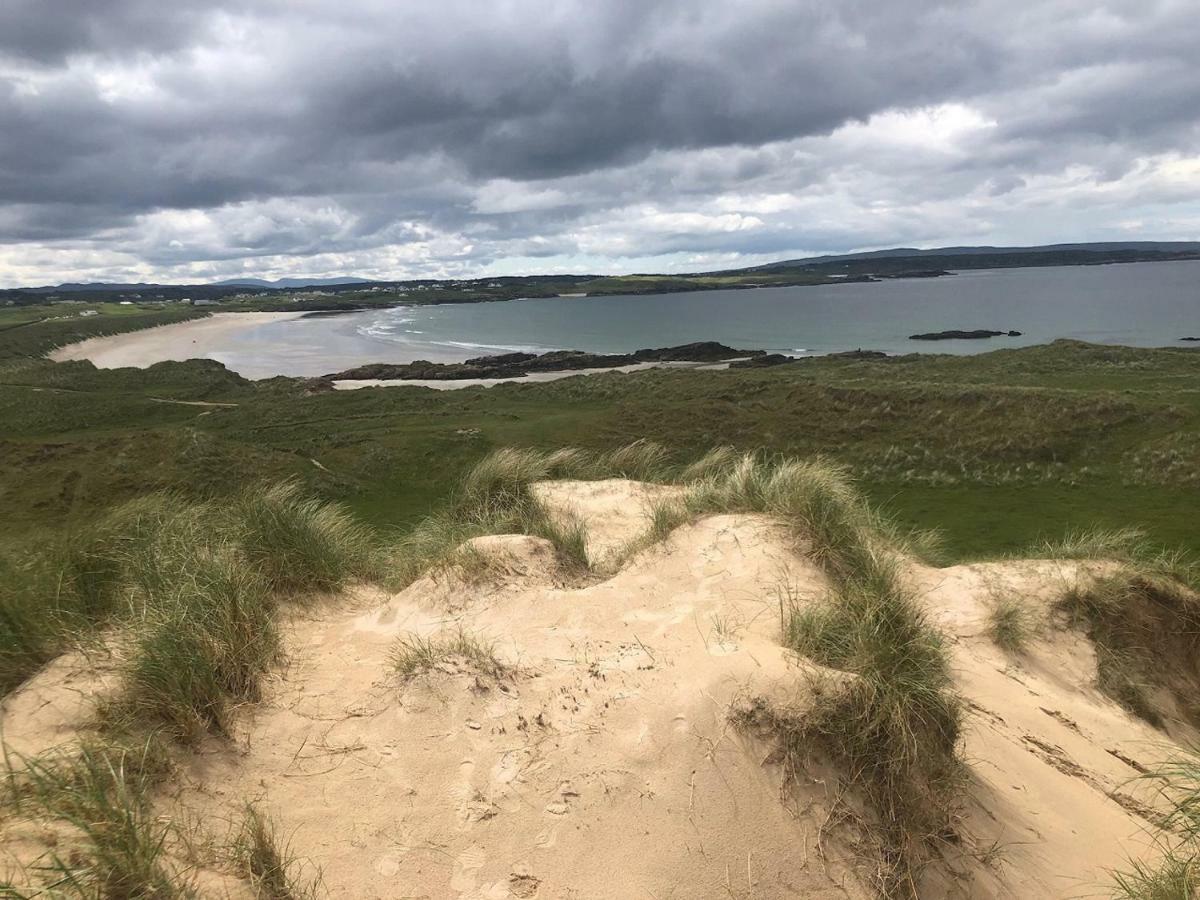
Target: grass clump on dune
[(36, 618), (97, 799), (299, 543), (894, 727), (1175, 875), (496, 497), (199, 649), (267, 863), (415, 655), (1141, 609), (1010, 623), (192, 589)]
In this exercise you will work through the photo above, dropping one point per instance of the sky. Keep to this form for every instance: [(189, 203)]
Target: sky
[(185, 141)]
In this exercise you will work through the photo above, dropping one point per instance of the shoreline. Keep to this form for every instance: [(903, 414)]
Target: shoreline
[(146, 346)]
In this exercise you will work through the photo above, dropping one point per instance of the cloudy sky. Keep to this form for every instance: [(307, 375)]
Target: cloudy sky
[(186, 140)]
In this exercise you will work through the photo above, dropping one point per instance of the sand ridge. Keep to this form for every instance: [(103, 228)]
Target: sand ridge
[(605, 763)]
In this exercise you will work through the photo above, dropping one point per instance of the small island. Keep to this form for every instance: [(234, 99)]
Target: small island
[(976, 335)]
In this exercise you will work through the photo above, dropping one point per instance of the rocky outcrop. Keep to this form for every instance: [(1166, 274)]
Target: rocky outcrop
[(762, 362), (516, 365), (962, 335)]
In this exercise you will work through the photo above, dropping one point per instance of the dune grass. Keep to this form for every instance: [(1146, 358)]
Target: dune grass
[(192, 588), (112, 845), (297, 543), (415, 655), (1175, 875), (267, 863), (1141, 609), (496, 497), (35, 618), (894, 727), (1010, 623)]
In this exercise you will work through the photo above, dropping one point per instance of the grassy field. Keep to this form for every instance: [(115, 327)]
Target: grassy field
[(995, 450)]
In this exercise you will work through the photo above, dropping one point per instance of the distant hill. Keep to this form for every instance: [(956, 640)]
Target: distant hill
[(289, 282), (75, 287), (109, 286), (1119, 250)]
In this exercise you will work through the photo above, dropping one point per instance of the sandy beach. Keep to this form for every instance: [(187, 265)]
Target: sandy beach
[(193, 339), (230, 338)]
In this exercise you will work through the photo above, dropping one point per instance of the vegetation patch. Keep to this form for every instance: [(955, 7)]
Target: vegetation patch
[(894, 727), (1010, 623), (1175, 875), (112, 845), (1141, 610), (267, 863), (415, 655), (192, 588), (495, 497)]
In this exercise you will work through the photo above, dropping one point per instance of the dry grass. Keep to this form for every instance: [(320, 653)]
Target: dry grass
[(267, 863), (415, 655), (1140, 607), (1011, 623), (894, 729), (97, 795)]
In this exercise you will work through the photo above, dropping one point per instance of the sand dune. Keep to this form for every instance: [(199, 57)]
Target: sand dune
[(602, 762)]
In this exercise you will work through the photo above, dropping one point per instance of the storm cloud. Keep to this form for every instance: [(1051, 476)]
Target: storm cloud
[(191, 140)]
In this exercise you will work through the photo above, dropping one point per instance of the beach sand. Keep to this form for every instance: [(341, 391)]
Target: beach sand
[(193, 339)]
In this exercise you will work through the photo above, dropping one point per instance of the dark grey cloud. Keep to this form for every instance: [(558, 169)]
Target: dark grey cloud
[(139, 135)]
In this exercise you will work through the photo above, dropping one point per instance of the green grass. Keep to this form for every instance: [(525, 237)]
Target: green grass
[(194, 587), (297, 543), (199, 649), (993, 450)]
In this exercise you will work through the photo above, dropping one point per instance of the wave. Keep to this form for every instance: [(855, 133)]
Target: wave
[(507, 348)]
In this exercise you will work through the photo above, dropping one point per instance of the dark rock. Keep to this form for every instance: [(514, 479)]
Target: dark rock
[(1190, 339), (762, 362), (517, 365), (316, 386), (857, 354), (961, 335)]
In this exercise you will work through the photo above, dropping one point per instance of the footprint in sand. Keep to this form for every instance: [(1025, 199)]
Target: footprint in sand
[(468, 863), (387, 866)]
